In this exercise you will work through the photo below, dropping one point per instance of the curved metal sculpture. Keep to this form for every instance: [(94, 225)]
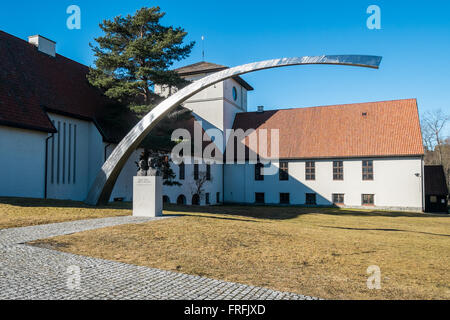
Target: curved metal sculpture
[(104, 183)]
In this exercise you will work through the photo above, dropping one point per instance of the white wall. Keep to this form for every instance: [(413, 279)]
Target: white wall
[(188, 185), (70, 179), (22, 162), (395, 183)]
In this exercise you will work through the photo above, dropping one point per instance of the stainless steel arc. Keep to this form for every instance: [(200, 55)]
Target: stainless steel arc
[(103, 185)]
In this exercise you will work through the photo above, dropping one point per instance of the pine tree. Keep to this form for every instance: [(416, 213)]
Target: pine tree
[(135, 54)]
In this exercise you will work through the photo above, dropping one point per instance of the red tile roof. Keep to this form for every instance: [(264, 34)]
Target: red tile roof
[(32, 82), (389, 128)]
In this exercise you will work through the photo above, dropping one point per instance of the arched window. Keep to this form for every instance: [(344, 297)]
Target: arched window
[(166, 200), (181, 200), (196, 200)]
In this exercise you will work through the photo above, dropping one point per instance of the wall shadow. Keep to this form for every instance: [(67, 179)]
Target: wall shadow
[(387, 230), (281, 212)]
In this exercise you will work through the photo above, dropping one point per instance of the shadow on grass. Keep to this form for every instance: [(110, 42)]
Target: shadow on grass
[(29, 202), (252, 211), (283, 212), (388, 230)]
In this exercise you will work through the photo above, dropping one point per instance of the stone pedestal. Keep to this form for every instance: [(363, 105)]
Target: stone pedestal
[(147, 196)]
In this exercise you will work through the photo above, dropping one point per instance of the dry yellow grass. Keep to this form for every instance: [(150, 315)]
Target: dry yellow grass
[(19, 212), (318, 252)]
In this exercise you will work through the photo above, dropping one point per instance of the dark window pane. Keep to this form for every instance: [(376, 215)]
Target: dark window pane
[(182, 171), (208, 172), (284, 198), (310, 199), (259, 197), (195, 171), (258, 174)]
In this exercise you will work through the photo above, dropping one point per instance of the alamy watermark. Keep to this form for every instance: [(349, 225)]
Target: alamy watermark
[(74, 20), (374, 280), (251, 146), (374, 20), (74, 277)]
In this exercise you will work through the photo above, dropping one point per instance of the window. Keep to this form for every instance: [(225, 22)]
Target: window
[(338, 170), (368, 199), (195, 171), (259, 197), (207, 198), (310, 170), (310, 199), (367, 170), (284, 198), (338, 198), (182, 171), (208, 172), (166, 200), (235, 94), (218, 197), (195, 200), (433, 199), (258, 169), (284, 171), (181, 200)]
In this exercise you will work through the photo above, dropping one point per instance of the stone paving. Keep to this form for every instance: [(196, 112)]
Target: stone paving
[(27, 234), (28, 272)]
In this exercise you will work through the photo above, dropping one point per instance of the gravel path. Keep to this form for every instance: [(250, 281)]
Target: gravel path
[(28, 272)]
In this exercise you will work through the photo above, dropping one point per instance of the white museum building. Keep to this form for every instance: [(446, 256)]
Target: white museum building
[(55, 136)]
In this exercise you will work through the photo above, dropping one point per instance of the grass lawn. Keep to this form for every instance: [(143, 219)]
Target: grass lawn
[(318, 252), (19, 212)]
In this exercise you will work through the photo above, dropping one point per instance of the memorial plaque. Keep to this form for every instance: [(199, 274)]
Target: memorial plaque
[(147, 196)]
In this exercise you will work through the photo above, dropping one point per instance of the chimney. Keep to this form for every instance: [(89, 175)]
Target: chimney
[(44, 45), (260, 108)]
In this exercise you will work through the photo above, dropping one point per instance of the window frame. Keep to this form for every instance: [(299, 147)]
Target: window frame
[(234, 93), (338, 170), (310, 170), (367, 170), (283, 171), (370, 204), (337, 195)]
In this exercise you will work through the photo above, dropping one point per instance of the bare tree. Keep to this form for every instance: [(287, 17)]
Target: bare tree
[(427, 136), (433, 124), (198, 186)]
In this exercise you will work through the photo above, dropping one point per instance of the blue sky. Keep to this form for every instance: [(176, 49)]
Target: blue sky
[(414, 41)]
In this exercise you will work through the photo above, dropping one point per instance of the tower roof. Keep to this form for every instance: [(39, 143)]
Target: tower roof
[(205, 67)]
